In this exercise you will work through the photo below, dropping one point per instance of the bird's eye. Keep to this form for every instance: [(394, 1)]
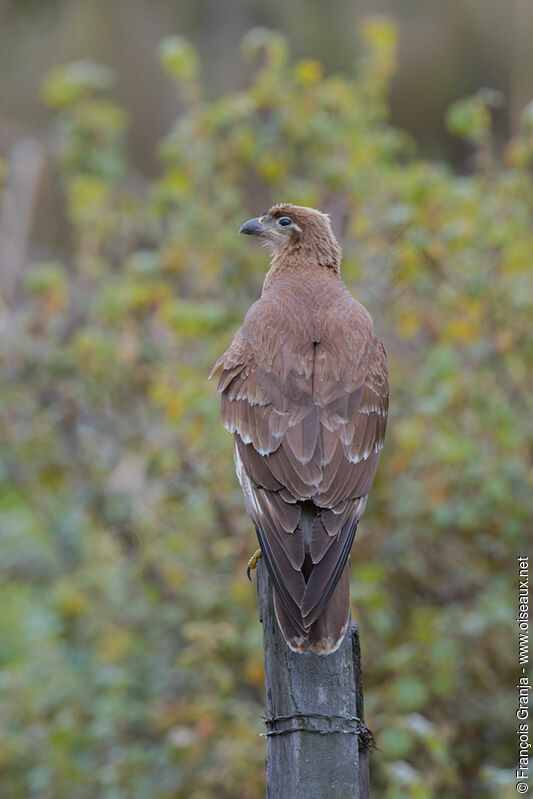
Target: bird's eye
[(284, 221)]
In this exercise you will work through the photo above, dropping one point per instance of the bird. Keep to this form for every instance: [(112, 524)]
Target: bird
[(304, 390)]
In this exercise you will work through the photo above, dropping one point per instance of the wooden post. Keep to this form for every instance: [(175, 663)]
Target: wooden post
[(317, 741)]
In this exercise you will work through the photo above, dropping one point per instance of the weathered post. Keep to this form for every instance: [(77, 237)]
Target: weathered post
[(317, 741)]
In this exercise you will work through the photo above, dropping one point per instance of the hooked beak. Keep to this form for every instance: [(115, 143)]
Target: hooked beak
[(254, 227)]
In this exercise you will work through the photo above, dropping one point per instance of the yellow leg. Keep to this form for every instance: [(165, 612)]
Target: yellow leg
[(252, 563)]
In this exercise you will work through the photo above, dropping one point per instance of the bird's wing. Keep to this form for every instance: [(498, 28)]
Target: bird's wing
[(309, 421)]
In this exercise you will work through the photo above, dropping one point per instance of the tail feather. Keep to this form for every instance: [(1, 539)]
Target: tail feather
[(326, 634)]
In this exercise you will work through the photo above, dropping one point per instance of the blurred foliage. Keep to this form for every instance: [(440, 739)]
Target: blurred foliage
[(131, 659)]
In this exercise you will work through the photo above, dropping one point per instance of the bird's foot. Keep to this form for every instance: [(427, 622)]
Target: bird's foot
[(252, 563)]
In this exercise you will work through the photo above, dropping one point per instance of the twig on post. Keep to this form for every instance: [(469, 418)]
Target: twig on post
[(316, 736)]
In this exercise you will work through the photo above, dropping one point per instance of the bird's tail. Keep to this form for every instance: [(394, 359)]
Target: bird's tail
[(326, 634)]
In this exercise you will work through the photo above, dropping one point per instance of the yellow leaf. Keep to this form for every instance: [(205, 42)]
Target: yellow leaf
[(463, 329), (408, 325), (254, 671), (114, 645), (308, 70)]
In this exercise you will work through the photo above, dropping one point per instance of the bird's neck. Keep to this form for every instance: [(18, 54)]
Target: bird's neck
[(305, 260)]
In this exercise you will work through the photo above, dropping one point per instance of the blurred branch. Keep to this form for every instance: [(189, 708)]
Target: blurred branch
[(26, 164)]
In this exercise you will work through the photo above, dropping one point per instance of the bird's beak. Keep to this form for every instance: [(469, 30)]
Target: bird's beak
[(254, 227)]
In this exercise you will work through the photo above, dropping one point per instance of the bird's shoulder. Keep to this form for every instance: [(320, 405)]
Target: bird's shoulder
[(300, 307), (313, 328), (234, 360)]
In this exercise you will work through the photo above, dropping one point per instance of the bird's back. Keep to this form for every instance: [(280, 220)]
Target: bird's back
[(311, 334)]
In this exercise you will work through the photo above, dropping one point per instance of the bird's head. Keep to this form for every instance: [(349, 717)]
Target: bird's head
[(296, 232)]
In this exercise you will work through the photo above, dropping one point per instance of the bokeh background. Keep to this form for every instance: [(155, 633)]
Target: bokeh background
[(135, 138)]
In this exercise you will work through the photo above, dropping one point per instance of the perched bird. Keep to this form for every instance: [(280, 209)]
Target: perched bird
[(304, 388)]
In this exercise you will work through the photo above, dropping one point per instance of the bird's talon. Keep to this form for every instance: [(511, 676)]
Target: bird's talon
[(252, 563)]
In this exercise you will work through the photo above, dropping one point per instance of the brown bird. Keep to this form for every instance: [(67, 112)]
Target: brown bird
[(305, 392)]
